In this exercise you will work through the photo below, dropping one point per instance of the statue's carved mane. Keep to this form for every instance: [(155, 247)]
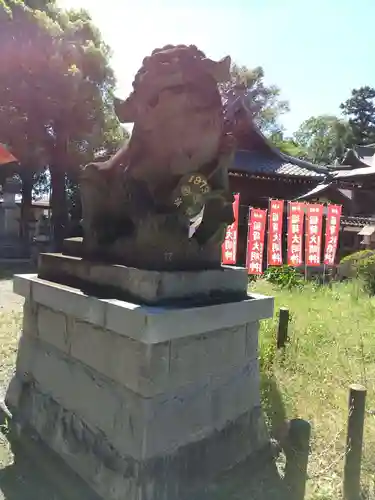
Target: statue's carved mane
[(168, 67)]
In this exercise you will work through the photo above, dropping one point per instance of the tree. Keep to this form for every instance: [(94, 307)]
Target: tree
[(56, 93), (263, 100), (360, 108), (288, 145), (325, 138)]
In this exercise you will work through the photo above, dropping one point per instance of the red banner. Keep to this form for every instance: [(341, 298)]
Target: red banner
[(6, 156), (314, 219), (275, 230), (296, 216), (332, 233), (255, 240), (229, 247)]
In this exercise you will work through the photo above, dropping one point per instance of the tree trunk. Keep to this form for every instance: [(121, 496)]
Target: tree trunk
[(26, 207), (58, 206)]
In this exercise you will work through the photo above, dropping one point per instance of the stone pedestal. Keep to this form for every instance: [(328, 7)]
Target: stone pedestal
[(11, 210), (143, 402), (10, 243)]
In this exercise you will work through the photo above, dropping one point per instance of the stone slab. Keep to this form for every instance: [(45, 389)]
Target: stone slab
[(126, 437), (143, 323), (144, 286), (117, 477), (147, 369), (134, 425)]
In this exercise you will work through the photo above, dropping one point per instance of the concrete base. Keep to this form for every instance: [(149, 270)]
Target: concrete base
[(144, 403), (181, 288)]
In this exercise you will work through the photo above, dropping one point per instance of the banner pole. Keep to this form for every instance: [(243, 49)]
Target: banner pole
[(305, 242), (324, 245), (287, 231), (248, 239), (267, 231)]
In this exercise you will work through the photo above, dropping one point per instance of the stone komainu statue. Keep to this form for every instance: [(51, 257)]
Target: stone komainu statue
[(162, 201)]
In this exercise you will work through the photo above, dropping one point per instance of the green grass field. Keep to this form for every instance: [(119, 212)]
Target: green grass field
[(332, 344)]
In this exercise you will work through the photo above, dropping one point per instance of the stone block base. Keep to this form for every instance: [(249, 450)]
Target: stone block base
[(143, 403), (184, 288), (116, 477)]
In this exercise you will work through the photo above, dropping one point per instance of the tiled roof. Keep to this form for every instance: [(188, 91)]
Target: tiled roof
[(366, 153), (324, 186), (268, 163), (356, 162), (354, 172), (356, 221), (316, 190)]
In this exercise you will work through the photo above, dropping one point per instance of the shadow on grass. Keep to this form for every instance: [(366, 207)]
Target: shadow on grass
[(273, 407)]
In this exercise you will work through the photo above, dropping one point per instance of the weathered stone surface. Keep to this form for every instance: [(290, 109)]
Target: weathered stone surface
[(52, 328), (118, 477), (148, 369), (24, 362), (103, 404), (30, 318), (197, 357), (144, 323), (22, 285), (140, 367), (83, 448), (156, 368), (140, 285), (145, 401), (138, 426), (68, 300), (193, 412), (159, 324)]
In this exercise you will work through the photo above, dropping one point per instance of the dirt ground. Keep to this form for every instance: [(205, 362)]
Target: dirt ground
[(9, 301)]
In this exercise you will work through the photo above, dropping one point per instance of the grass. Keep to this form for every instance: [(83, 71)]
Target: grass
[(332, 345), (10, 326)]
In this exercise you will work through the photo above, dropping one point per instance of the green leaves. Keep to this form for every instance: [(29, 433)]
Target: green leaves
[(288, 146), (264, 100), (360, 109), (56, 93), (59, 58), (325, 138), (284, 277)]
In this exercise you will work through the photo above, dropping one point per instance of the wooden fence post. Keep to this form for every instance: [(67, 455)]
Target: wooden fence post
[(282, 332), (297, 456), (354, 441)]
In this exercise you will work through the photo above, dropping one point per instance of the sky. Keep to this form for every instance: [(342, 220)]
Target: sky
[(314, 51)]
